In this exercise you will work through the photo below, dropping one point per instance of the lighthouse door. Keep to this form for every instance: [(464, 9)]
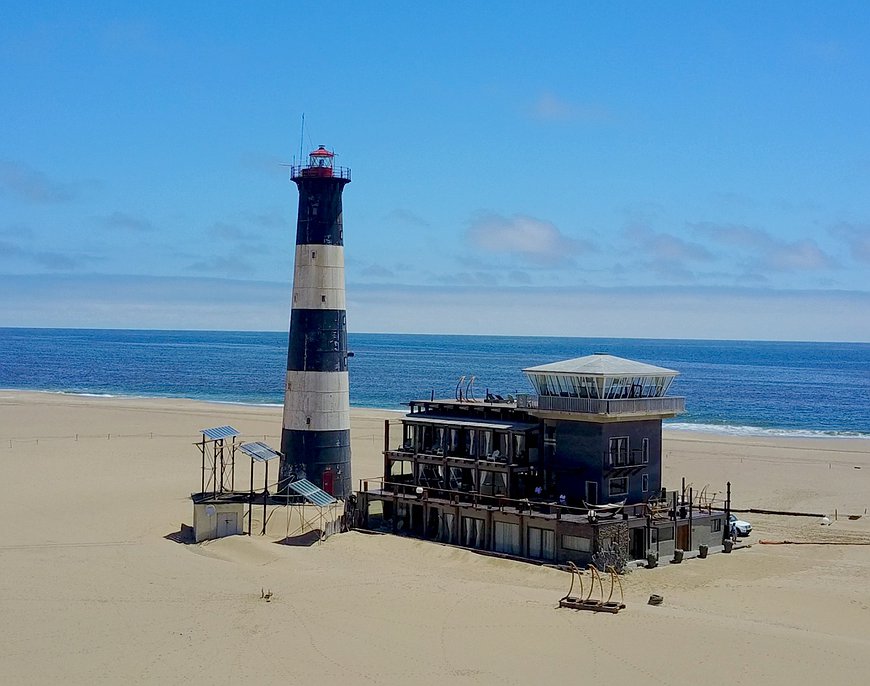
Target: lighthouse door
[(328, 480)]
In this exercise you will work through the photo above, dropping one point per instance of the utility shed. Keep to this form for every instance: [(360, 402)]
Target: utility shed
[(216, 519)]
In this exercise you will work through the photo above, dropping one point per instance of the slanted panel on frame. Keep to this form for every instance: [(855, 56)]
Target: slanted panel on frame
[(312, 493), (259, 451), (219, 432)]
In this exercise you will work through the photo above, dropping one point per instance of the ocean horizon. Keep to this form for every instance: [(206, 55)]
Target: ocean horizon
[(747, 388)]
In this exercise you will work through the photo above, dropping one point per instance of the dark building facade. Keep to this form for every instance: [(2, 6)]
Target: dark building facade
[(572, 471)]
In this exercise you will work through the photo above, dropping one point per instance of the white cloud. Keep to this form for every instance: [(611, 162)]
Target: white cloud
[(764, 251), (534, 240)]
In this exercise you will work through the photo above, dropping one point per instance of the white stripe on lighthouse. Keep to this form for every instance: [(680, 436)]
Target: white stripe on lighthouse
[(318, 278), (316, 401)]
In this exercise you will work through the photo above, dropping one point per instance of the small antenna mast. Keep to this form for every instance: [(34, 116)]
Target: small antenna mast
[(301, 138)]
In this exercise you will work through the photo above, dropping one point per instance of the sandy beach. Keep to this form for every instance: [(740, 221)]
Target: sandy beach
[(94, 588)]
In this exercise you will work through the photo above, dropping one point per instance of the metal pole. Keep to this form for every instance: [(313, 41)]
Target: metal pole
[(726, 529), (233, 472), (214, 473), (202, 451), (265, 488), (251, 498), (387, 448)]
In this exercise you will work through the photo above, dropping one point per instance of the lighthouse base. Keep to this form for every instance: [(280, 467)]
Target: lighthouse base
[(322, 457)]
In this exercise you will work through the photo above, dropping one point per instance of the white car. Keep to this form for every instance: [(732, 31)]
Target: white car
[(742, 528)]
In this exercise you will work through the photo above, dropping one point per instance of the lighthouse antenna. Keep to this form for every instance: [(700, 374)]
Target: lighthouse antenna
[(301, 138)]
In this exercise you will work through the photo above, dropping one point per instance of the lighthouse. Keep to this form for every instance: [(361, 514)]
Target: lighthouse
[(315, 436)]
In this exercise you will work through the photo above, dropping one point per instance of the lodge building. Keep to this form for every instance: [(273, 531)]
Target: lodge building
[(569, 472)]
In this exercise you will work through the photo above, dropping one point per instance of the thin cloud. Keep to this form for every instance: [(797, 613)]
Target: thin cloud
[(17, 231), (238, 228), (126, 222), (531, 239), (230, 232), (408, 219), (266, 220), (766, 251), (799, 256), (665, 247), (33, 186), (552, 108), (217, 264), (48, 259), (856, 237), (377, 271), (519, 276), (737, 235)]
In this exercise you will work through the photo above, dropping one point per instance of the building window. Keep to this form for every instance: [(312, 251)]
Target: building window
[(618, 450), (653, 536), (644, 480), (716, 525), (619, 486), (644, 454), (541, 543), (583, 545)]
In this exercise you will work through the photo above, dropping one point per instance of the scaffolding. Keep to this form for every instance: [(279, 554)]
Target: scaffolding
[(218, 450)]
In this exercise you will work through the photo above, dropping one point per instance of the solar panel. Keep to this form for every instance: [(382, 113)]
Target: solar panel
[(311, 493), (259, 451), (219, 432)]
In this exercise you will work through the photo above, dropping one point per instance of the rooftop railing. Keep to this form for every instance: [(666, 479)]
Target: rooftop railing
[(665, 405)]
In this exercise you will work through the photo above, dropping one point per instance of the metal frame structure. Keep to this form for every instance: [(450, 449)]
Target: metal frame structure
[(219, 457)]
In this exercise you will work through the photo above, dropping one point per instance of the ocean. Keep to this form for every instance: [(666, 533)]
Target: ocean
[(736, 387)]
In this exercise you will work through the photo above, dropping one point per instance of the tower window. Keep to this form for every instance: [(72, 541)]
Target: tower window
[(323, 298), (618, 450), (619, 486), (313, 254)]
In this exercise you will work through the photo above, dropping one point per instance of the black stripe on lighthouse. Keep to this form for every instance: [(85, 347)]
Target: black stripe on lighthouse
[(318, 341)]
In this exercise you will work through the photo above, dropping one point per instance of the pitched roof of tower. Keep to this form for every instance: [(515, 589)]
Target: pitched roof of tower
[(600, 364)]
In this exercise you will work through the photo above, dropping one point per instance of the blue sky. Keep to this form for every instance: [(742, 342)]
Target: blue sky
[(688, 170)]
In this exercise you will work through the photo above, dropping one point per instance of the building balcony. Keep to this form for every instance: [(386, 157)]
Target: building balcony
[(627, 407), (490, 462)]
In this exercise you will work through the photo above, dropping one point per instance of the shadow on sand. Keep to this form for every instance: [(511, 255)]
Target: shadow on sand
[(184, 535), (303, 540)]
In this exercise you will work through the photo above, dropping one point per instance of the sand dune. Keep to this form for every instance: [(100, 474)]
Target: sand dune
[(93, 588)]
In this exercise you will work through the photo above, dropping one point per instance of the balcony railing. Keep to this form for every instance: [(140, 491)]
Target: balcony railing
[(482, 461), (305, 171), (627, 406)]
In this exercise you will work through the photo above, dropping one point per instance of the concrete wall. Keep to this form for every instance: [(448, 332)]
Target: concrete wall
[(207, 526)]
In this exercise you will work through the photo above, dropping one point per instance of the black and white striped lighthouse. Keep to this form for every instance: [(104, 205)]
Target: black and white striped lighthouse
[(315, 439)]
